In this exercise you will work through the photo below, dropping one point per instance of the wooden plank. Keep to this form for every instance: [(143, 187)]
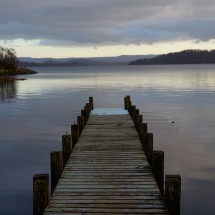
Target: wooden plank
[(130, 212), (127, 196), (83, 204), (96, 213), (107, 186), (106, 166), (107, 172), (96, 183), (107, 201), (107, 210), (112, 194)]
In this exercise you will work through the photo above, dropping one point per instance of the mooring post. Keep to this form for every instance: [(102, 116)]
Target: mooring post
[(56, 168), (129, 107), (135, 115), (91, 102), (139, 120), (75, 134), (40, 193), (86, 111), (87, 108), (66, 148), (84, 114), (158, 169), (127, 101), (149, 148), (128, 104), (142, 133), (133, 108), (173, 193), (80, 120)]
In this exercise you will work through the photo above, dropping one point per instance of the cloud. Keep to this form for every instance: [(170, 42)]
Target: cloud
[(101, 22)]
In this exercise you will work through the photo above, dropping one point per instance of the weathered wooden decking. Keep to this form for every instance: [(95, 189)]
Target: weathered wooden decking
[(107, 172)]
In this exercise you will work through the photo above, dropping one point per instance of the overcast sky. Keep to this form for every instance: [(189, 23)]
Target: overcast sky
[(81, 28)]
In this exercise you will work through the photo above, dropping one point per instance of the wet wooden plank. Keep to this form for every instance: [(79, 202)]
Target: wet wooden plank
[(101, 210), (107, 172), (111, 120), (118, 202), (108, 196), (113, 205)]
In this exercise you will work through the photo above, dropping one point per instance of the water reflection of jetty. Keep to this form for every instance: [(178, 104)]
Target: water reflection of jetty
[(8, 89)]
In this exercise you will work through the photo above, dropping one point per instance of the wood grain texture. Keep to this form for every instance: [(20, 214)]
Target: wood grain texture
[(107, 172)]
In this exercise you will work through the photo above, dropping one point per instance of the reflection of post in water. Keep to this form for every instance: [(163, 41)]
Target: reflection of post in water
[(8, 89)]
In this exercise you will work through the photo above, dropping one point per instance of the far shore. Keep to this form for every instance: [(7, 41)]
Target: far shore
[(18, 71)]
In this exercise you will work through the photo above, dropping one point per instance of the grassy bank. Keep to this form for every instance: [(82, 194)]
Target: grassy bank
[(18, 71)]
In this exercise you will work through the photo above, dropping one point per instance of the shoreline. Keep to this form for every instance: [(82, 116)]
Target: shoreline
[(18, 71)]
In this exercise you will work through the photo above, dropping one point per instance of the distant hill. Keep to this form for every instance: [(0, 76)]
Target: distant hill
[(122, 58), (183, 57), (94, 61), (31, 62)]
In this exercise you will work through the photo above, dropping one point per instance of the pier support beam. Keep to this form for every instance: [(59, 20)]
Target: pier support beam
[(142, 133), (149, 148), (127, 102), (133, 109), (87, 108), (139, 120), (40, 193), (80, 120), (66, 148), (75, 134), (91, 102), (56, 160), (173, 193), (158, 169), (135, 116), (84, 114)]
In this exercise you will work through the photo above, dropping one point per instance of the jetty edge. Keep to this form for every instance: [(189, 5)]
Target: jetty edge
[(107, 165)]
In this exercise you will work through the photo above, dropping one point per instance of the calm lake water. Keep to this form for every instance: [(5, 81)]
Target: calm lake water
[(35, 113)]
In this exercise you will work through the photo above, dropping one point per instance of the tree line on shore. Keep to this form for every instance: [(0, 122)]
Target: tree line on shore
[(8, 59), (9, 63), (183, 57)]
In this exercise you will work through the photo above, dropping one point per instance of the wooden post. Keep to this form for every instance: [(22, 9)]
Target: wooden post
[(173, 193), (75, 134), (142, 133), (91, 102), (66, 148), (139, 120), (127, 101), (135, 115), (158, 169), (149, 148), (87, 108), (40, 193), (86, 111), (56, 168), (84, 114), (80, 120), (129, 107), (133, 108)]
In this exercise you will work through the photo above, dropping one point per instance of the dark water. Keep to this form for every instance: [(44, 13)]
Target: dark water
[(35, 113)]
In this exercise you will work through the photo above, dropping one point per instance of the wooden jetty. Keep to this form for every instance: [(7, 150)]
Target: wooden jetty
[(112, 169)]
